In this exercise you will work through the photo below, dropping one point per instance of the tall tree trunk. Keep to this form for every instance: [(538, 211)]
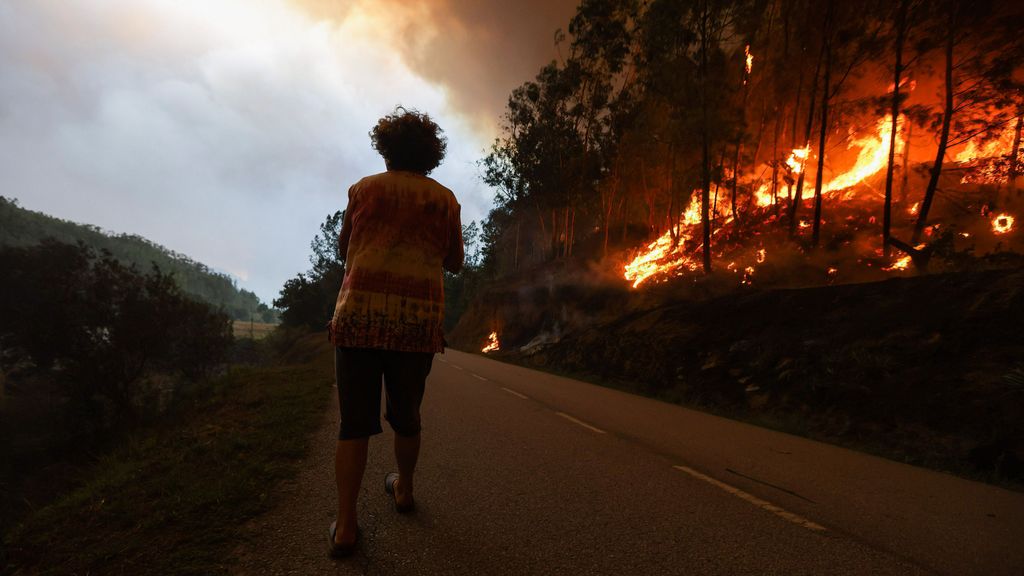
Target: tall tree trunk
[(901, 18), (796, 105), (672, 221), (760, 135), (554, 233), (736, 157), (515, 259), (798, 193), (624, 213), (705, 193), (572, 233), (947, 119), (543, 229), (1014, 154), (775, 168), (714, 198), (607, 226), (677, 199), (565, 234), (735, 180), (609, 204), (905, 169), (648, 197), (819, 181)]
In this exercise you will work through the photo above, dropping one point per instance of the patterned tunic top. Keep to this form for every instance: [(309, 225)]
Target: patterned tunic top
[(400, 228)]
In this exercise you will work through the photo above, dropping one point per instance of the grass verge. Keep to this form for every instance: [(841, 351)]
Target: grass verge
[(171, 499)]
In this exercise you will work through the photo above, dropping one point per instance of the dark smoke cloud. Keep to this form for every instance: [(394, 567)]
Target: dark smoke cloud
[(480, 50)]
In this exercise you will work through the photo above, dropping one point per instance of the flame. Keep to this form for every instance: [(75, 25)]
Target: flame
[(667, 254), (914, 209), (492, 343), (750, 59), (1002, 224), (763, 195), (976, 148), (674, 255), (748, 276), (912, 85), (989, 158), (873, 155), (900, 264), (797, 159)]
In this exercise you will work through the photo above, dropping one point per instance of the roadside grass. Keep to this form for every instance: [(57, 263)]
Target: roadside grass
[(254, 330), (171, 499)]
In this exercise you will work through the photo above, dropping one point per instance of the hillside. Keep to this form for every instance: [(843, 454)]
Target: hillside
[(22, 227)]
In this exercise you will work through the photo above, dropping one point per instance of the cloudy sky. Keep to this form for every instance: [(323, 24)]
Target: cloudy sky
[(228, 129)]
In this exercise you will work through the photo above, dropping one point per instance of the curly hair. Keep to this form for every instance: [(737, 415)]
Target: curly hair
[(409, 140)]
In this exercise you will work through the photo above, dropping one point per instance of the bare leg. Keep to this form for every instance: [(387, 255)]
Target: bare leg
[(349, 464), (407, 452)]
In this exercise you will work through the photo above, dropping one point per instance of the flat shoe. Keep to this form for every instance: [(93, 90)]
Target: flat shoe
[(340, 550), (389, 487)]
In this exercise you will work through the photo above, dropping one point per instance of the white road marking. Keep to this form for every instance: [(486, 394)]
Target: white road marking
[(514, 393), (580, 422), (763, 504), (478, 377), (443, 360), (456, 366)]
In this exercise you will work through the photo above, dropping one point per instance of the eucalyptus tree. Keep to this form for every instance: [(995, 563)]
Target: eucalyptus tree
[(604, 56), (982, 47), (902, 16), (686, 48), (530, 165), (850, 37)]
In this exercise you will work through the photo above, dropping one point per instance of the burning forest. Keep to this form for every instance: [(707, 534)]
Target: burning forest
[(781, 143)]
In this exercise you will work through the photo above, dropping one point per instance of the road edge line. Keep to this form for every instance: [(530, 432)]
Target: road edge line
[(514, 393), (763, 504), (580, 422)]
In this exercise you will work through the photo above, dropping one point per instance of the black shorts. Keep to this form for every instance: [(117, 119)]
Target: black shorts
[(359, 371)]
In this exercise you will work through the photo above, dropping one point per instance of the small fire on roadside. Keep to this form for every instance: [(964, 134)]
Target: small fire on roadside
[(492, 343)]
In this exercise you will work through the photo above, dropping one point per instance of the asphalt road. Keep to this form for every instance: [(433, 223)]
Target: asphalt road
[(522, 472)]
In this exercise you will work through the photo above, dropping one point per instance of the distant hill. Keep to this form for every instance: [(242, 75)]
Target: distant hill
[(21, 227)]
